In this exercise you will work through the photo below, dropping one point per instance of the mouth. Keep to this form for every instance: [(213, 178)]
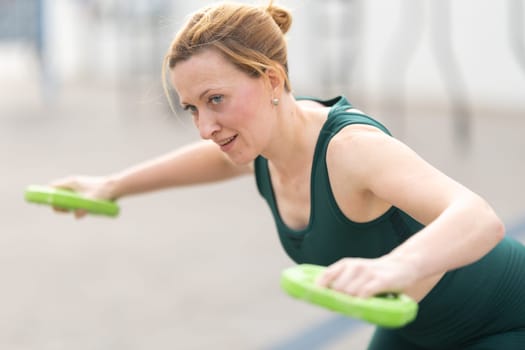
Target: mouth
[(227, 141)]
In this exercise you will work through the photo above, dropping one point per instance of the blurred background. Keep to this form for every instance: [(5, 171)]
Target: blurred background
[(80, 92)]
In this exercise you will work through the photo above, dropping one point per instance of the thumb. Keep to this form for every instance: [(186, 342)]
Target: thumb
[(66, 183)]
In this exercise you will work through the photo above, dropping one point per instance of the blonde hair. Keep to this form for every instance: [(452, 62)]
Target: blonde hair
[(250, 37)]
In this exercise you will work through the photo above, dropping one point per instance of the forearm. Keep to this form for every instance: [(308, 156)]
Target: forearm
[(194, 164), (462, 234)]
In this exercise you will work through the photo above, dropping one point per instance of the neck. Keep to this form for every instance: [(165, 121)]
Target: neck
[(292, 147)]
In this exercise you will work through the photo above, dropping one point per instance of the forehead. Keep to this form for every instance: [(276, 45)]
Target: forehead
[(204, 70)]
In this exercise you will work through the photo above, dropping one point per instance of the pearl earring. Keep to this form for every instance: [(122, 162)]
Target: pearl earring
[(275, 101)]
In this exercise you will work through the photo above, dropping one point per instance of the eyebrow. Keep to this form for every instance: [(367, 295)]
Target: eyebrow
[(184, 104)]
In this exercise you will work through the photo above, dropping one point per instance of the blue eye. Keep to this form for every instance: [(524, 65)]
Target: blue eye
[(216, 99)]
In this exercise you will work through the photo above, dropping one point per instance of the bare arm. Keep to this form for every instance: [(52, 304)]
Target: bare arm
[(197, 163), (461, 226)]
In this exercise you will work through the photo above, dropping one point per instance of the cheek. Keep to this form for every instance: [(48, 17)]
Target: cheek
[(249, 106)]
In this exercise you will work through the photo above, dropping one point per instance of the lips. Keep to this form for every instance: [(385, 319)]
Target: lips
[(226, 141)]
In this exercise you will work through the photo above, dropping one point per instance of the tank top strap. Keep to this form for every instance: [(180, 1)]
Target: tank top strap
[(338, 118)]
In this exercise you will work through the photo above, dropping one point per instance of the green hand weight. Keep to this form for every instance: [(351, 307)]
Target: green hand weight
[(69, 200), (391, 310)]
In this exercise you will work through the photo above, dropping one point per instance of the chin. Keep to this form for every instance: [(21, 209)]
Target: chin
[(242, 160)]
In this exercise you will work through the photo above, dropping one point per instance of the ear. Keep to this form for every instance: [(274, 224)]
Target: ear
[(276, 80)]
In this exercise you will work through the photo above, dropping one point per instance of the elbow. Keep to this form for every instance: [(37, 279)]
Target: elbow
[(495, 228), (489, 228), (498, 229)]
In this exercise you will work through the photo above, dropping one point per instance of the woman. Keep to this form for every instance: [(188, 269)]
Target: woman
[(344, 193)]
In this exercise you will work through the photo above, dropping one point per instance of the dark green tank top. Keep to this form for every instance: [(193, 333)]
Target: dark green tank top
[(485, 297), (330, 235)]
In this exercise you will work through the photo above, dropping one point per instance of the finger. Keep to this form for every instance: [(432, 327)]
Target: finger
[(79, 213), (330, 274), (378, 284), (344, 280), (372, 288), (60, 210), (359, 286), (354, 277)]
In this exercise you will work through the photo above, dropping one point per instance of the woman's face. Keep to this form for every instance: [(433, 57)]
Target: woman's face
[(228, 106)]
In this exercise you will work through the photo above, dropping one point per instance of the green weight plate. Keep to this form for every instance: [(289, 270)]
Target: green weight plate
[(69, 200), (389, 310)]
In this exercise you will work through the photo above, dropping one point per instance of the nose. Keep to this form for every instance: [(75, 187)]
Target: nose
[(207, 125)]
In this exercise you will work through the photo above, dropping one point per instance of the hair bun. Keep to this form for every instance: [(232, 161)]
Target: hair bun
[(281, 16)]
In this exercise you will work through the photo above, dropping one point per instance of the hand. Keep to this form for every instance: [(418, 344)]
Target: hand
[(95, 187), (368, 277)]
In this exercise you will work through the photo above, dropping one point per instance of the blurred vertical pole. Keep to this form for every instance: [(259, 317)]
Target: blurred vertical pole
[(26, 22), (348, 34), (516, 16), (339, 37), (139, 27), (397, 58), (441, 36), (48, 82)]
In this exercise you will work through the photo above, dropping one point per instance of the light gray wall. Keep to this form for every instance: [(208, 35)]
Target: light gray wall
[(382, 49)]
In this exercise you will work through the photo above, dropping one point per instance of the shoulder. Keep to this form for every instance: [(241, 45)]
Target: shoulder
[(358, 138), (360, 149)]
